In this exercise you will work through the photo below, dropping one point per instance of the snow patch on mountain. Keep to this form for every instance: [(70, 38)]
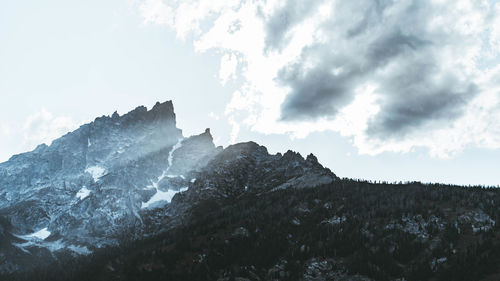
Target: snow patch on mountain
[(81, 250), (164, 196), (41, 234), (159, 196), (51, 246), (96, 171), (37, 239), (171, 153), (83, 193)]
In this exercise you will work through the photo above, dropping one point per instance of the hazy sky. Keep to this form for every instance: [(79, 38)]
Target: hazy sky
[(377, 89)]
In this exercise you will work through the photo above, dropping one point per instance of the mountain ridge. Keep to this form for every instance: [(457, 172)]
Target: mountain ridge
[(130, 198), (89, 185)]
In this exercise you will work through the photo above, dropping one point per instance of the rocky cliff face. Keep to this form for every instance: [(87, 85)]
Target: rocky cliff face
[(126, 177)]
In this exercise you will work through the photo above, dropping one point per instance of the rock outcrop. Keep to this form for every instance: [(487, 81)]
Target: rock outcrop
[(116, 178)]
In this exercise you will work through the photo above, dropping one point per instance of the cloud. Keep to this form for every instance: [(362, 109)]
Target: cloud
[(5, 129), (283, 19), (228, 66), (416, 73), (495, 32), (213, 116), (320, 82), (44, 127)]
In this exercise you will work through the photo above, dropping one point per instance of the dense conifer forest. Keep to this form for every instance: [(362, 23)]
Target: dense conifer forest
[(347, 230)]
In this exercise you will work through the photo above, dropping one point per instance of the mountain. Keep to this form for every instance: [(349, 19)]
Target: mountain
[(93, 186), (130, 198)]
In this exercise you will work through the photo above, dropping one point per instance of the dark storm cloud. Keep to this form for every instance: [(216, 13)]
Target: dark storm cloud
[(317, 92), (396, 52), (405, 114), (416, 93), (371, 16), (391, 45)]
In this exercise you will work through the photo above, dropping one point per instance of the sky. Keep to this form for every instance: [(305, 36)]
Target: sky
[(377, 89)]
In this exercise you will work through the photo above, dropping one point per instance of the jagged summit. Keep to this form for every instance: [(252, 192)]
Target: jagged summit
[(159, 112), (160, 117), (134, 174), (166, 107), (312, 158), (207, 133)]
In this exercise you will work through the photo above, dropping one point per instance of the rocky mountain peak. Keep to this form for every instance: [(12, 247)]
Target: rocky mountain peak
[(312, 158), (163, 110), (205, 136), (292, 154), (119, 172), (207, 133)]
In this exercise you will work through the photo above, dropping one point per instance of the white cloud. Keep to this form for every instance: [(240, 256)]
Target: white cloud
[(155, 11), (228, 65), (43, 127), (213, 116), (495, 32), (390, 75), (234, 131), (5, 129)]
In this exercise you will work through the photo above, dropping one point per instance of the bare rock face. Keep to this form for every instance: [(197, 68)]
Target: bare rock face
[(114, 179), (87, 185), (249, 168), (194, 154)]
